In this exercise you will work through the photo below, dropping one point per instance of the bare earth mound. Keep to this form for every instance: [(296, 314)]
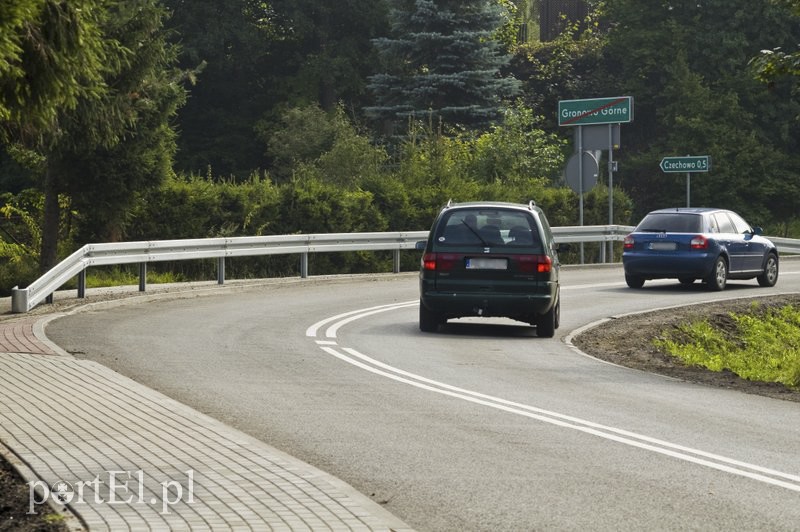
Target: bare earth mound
[(628, 341)]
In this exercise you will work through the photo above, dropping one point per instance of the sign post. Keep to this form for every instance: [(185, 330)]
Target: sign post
[(688, 164)]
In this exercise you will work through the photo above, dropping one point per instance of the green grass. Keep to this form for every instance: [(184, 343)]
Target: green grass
[(762, 345), (98, 278)]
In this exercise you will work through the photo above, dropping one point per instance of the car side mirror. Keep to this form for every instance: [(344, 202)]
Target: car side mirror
[(562, 248), (757, 230), (420, 245)]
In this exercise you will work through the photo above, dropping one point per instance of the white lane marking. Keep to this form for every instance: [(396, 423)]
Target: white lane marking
[(696, 456), (312, 330), (331, 331)]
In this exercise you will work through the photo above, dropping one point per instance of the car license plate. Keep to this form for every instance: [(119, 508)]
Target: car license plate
[(662, 246), (487, 264)]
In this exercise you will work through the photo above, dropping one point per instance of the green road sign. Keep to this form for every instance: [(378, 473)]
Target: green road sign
[(690, 163), (595, 111)]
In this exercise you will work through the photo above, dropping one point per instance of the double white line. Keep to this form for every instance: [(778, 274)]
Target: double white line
[(329, 344)]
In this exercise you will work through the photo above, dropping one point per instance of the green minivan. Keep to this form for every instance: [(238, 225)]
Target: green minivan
[(490, 259)]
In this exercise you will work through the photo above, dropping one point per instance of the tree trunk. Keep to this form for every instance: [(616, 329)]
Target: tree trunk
[(48, 256)]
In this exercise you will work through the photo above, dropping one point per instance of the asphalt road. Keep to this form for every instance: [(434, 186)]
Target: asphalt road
[(482, 426)]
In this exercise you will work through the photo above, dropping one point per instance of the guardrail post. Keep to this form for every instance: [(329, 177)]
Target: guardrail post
[(82, 284), (19, 300), (142, 276), (221, 270), (304, 265), (396, 261)]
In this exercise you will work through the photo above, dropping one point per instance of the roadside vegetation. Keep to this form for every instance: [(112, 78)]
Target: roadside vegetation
[(126, 120), (760, 345)]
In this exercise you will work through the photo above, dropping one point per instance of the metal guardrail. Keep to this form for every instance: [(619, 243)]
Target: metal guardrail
[(24, 299)]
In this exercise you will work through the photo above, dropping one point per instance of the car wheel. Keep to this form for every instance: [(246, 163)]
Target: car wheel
[(686, 281), (634, 281), (547, 323), (770, 275), (718, 277), (428, 320)]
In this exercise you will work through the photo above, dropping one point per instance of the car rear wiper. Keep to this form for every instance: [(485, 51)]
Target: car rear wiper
[(476, 233)]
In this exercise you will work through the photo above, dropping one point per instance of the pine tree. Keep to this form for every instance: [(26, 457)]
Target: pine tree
[(442, 61)]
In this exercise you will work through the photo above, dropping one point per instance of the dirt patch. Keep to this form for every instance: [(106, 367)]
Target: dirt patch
[(15, 503), (628, 341)]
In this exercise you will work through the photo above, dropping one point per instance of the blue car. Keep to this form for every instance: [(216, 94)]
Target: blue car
[(690, 244)]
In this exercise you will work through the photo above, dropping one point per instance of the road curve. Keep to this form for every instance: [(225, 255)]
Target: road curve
[(482, 426)]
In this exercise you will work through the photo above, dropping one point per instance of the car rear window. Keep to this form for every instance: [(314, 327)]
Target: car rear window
[(671, 223), (488, 227)]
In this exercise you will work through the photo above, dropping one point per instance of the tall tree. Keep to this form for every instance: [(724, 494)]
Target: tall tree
[(442, 60), (55, 56), (124, 143), (51, 54), (116, 96)]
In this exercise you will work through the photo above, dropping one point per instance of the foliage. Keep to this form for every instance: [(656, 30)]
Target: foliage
[(441, 61), (773, 64), (311, 137), (328, 65), (760, 346), (260, 58), (518, 149), (116, 98), (51, 55), (120, 276), (20, 236), (687, 67), (102, 177), (566, 68)]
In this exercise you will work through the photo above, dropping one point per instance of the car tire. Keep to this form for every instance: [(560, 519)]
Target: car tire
[(429, 321), (548, 322), (718, 277), (686, 281), (634, 281), (770, 275)]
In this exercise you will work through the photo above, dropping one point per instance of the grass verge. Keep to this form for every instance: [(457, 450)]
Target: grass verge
[(760, 345)]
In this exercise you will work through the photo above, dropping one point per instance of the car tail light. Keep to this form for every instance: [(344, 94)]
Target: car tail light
[(535, 263), (699, 242), (438, 261), (628, 242)]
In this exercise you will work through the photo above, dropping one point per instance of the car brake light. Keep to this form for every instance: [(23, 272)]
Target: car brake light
[(438, 261), (628, 242), (535, 263), (699, 242)]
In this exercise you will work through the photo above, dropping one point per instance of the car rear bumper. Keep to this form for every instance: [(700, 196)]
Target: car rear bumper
[(656, 266), (516, 306)]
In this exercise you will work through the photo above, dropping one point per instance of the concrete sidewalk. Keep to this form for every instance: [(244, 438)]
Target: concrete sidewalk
[(125, 457)]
